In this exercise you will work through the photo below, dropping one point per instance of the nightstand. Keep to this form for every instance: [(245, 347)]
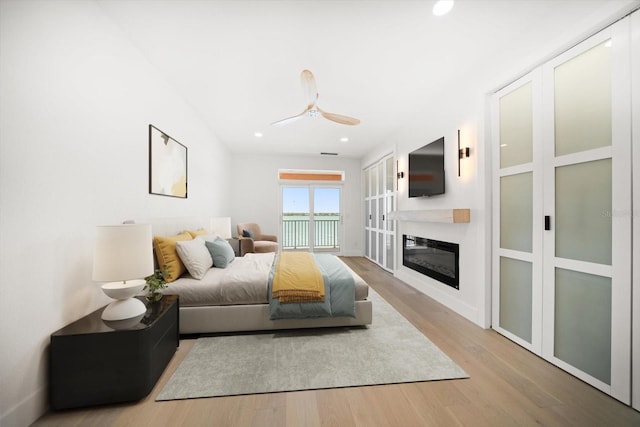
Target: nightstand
[(235, 245), (93, 362)]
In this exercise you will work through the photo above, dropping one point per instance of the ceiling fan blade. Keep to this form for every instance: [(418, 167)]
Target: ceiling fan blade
[(338, 118), (309, 87), (290, 119)]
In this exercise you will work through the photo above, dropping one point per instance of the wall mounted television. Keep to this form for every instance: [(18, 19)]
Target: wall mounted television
[(426, 170)]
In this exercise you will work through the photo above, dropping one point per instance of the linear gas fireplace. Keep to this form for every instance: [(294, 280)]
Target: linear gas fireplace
[(434, 258)]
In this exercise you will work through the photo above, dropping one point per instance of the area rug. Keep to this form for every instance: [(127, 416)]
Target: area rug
[(390, 350)]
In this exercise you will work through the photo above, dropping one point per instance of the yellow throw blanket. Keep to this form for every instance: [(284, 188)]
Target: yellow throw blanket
[(297, 279)]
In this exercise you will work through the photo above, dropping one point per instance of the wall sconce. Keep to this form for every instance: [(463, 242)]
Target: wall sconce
[(399, 176), (462, 152)]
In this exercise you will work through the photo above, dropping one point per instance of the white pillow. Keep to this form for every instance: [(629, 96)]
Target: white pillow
[(195, 256)]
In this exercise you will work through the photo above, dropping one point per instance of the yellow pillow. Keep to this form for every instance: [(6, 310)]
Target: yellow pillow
[(167, 255), (200, 232)]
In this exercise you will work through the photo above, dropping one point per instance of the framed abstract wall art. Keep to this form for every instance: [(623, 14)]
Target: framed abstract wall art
[(167, 165)]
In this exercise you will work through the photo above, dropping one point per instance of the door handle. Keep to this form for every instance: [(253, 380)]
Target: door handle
[(383, 217), (547, 222)]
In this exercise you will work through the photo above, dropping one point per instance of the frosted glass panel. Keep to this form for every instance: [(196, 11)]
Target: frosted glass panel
[(583, 322), (367, 174), (516, 297), (390, 224), (390, 251), (374, 214), (390, 177), (373, 180), (367, 249), (381, 178), (516, 127), (583, 211), (366, 213), (374, 244), (516, 212), (583, 102)]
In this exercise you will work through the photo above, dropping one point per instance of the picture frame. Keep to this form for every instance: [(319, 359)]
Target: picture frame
[(167, 165)]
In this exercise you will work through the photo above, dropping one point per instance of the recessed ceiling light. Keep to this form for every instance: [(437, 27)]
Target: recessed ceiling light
[(442, 7), (344, 139), (258, 134)]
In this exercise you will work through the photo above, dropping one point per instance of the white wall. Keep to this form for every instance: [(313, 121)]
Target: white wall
[(467, 191), (635, 148), (462, 104), (76, 102), (256, 192)]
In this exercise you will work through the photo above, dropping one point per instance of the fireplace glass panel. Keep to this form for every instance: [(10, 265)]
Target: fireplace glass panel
[(436, 259)]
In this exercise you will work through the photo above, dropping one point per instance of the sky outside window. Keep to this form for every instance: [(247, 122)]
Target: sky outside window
[(296, 200)]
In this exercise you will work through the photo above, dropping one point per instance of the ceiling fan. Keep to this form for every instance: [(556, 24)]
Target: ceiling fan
[(312, 110)]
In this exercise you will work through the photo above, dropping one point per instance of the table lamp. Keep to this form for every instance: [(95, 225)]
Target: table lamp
[(222, 227), (123, 254)]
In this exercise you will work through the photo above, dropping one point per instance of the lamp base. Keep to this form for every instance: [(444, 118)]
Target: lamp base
[(124, 309), (124, 323)]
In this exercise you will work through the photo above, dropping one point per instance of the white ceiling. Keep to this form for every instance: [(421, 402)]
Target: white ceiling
[(238, 63)]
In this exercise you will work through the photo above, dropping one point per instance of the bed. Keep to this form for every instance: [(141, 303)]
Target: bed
[(236, 298)]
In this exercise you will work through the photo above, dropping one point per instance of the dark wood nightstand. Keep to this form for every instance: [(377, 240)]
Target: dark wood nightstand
[(94, 362)]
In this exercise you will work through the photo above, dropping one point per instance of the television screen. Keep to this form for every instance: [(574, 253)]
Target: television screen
[(426, 170)]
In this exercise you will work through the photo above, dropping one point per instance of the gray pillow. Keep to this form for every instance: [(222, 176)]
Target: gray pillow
[(248, 233), (221, 252)]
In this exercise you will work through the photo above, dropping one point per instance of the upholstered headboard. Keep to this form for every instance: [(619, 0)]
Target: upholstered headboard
[(173, 226)]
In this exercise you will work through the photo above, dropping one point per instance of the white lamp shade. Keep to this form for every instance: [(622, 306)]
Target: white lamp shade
[(123, 252), (222, 227)]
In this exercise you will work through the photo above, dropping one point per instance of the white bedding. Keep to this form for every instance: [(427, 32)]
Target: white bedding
[(244, 281)]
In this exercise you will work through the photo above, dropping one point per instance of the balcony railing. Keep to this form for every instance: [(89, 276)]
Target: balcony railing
[(295, 233)]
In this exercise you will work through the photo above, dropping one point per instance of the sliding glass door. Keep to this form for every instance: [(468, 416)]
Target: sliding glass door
[(311, 218)]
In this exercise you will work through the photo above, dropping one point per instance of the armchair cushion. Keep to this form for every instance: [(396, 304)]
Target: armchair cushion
[(259, 242), (269, 237)]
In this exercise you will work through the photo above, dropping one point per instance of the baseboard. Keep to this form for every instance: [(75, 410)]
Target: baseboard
[(422, 284), (29, 410)]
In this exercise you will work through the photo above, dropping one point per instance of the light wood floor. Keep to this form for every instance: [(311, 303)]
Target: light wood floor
[(509, 386)]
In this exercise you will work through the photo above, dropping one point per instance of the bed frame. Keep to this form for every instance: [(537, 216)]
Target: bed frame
[(235, 318)]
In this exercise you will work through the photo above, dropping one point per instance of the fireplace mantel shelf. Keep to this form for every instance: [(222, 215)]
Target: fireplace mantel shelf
[(433, 215)]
